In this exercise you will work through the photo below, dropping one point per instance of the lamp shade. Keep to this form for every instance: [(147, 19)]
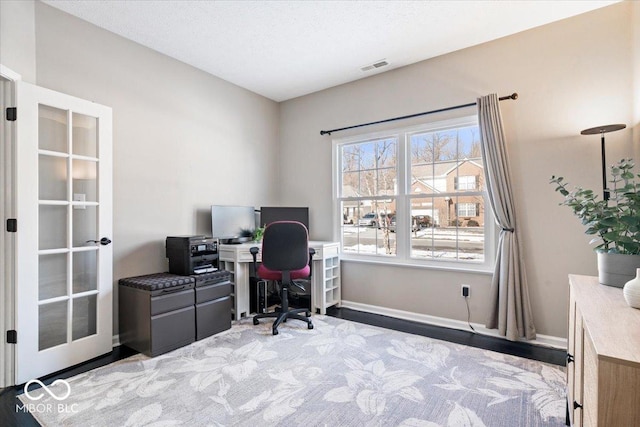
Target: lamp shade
[(603, 129)]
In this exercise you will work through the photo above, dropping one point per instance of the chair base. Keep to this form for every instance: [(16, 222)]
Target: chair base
[(282, 316)]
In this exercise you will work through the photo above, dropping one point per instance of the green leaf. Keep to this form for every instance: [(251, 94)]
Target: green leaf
[(609, 221), (630, 220), (611, 236)]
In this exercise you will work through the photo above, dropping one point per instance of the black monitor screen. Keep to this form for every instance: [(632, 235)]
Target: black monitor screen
[(270, 214), (232, 223)]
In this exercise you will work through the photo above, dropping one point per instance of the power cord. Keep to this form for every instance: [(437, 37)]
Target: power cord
[(466, 299)]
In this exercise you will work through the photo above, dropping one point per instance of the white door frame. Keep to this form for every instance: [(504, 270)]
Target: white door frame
[(8, 79)]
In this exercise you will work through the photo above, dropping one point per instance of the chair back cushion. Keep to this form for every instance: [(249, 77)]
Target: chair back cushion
[(285, 246)]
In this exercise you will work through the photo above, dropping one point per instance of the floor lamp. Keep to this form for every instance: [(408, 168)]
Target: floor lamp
[(602, 130)]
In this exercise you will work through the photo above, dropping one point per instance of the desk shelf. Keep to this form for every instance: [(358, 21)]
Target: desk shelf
[(328, 284), (325, 283)]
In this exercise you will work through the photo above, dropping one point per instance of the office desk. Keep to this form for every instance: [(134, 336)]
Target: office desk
[(325, 279)]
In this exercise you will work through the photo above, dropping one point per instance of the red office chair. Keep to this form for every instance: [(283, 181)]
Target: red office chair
[(286, 256)]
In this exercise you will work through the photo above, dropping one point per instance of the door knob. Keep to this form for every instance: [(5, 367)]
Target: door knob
[(104, 241)]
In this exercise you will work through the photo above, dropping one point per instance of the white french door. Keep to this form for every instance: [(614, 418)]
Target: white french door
[(64, 207)]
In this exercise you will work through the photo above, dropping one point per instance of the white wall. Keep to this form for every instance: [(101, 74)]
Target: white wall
[(182, 139), (570, 75)]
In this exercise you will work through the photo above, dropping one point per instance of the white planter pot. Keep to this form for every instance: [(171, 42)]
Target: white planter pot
[(631, 291), (617, 269)]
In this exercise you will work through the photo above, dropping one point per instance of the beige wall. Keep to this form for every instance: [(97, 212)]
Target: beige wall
[(17, 38), (570, 75), (182, 139)]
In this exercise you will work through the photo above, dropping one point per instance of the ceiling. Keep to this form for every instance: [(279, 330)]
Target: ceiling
[(285, 49)]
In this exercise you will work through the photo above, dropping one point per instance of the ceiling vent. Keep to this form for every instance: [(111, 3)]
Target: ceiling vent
[(378, 64)]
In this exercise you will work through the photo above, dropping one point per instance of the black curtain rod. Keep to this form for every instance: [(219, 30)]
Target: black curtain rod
[(328, 132)]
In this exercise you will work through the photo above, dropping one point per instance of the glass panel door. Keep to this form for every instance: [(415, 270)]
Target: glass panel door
[(64, 203)]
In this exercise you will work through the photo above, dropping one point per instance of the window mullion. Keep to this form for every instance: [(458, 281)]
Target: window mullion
[(402, 205)]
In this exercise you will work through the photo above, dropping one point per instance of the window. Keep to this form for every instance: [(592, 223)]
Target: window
[(467, 209), (414, 195), (465, 182), (368, 195)]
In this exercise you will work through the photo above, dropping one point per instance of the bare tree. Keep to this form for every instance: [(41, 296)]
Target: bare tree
[(370, 168), (434, 147), (474, 151)]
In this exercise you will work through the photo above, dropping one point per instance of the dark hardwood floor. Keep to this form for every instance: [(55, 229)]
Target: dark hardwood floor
[(12, 416), (472, 339)]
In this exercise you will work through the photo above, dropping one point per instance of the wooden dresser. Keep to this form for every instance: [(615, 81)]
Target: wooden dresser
[(603, 373)]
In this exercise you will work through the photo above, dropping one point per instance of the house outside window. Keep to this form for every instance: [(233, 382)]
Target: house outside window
[(414, 195)]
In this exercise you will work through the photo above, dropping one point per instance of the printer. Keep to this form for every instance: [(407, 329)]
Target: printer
[(192, 254)]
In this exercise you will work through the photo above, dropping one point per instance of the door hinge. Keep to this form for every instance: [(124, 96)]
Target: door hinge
[(12, 336), (12, 225), (12, 114)]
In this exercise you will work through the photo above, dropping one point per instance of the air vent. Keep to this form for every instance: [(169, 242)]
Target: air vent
[(377, 64)]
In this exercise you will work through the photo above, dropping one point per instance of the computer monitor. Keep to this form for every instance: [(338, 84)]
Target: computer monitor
[(232, 224), (269, 214)]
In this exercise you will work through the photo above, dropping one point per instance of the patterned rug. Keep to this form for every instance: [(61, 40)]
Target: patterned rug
[(340, 373)]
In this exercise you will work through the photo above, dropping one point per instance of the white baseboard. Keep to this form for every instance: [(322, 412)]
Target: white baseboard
[(541, 340)]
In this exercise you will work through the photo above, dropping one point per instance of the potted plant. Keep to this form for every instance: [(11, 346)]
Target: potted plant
[(258, 233), (614, 223)]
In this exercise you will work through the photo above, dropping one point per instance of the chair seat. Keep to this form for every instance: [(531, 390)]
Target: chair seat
[(266, 274)]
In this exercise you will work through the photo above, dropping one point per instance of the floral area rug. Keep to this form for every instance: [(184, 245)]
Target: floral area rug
[(340, 373)]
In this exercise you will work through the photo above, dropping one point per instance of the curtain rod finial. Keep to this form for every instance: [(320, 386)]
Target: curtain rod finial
[(514, 95)]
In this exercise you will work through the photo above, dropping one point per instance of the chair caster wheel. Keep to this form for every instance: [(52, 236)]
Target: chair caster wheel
[(310, 326), (255, 321), (275, 332)]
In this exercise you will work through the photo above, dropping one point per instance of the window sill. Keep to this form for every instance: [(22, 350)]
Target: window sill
[(473, 269)]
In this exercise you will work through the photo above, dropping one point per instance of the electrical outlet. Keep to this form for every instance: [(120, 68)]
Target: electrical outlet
[(466, 291)]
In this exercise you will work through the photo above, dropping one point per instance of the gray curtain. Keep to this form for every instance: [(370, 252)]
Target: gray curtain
[(510, 310)]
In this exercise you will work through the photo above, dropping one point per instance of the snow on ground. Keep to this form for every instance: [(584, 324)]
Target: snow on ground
[(421, 241)]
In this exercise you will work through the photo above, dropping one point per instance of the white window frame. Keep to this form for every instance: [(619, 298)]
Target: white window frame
[(403, 202), (469, 209)]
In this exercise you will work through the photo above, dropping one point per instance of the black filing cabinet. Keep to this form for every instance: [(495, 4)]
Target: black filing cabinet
[(213, 303), (161, 312), (157, 312)]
